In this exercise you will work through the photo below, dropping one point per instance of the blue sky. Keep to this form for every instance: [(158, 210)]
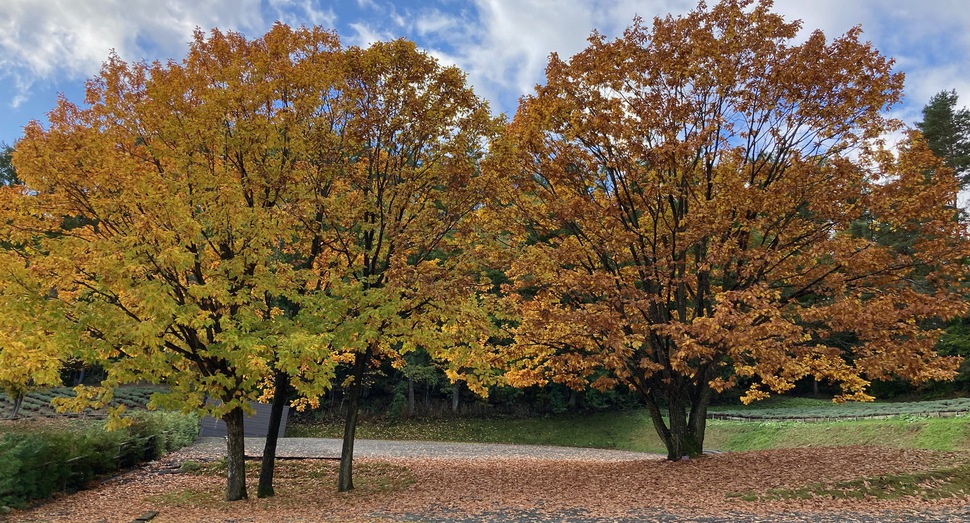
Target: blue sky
[(51, 46)]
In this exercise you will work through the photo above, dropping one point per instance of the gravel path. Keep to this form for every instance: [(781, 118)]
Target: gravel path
[(293, 448)]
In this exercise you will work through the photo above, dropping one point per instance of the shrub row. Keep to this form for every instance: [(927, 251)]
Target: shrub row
[(34, 464)]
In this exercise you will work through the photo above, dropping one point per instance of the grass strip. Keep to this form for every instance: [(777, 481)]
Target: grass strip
[(632, 430)]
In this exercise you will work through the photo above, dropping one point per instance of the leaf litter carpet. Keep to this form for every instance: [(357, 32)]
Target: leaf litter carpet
[(522, 489)]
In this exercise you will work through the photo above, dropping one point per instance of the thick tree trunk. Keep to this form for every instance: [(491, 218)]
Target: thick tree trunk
[(345, 481), (266, 471), (235, 456), (683, 439), (700, 400), (682, 434)]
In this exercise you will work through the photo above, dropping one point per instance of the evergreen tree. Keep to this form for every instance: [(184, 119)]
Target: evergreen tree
[(947, 131), (7, 174)]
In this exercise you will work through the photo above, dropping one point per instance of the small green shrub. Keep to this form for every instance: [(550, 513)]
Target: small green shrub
[(159, 432)]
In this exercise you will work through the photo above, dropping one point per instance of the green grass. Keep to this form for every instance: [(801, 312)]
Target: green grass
[(930, 434), (633, 430), (622, 430)]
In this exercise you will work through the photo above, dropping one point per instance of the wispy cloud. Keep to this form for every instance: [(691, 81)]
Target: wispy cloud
[(41, 39), (302, 12)]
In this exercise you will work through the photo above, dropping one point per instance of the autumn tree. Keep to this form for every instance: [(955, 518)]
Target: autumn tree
[(151, 221), (387, 197), (683, 199), (25, 361), (28, 360)]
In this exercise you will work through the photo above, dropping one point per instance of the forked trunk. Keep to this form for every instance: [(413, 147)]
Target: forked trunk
[(682, 432), (345, 480), (235, 455), (267, 468)]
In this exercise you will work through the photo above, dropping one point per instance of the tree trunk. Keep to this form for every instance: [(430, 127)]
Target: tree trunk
[(18, 402), (265, 488), (411, 404), (699, 401), (683, 436), (456, 397), (235, 455), (345, 481)]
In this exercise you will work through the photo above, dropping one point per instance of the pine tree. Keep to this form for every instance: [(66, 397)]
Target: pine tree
[(947, 131)]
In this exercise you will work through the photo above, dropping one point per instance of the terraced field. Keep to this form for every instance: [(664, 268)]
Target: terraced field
[(786, 408), (38, 403)]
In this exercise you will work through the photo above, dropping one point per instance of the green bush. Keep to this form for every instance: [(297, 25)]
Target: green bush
[(160, 432), (31, 467), (34, 464)]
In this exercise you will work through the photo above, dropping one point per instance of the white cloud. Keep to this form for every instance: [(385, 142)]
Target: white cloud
[(43, 39), (435, 21), (365, 34), (302, 12)]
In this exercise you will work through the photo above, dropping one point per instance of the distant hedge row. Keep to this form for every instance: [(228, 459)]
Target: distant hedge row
[(36, 463)]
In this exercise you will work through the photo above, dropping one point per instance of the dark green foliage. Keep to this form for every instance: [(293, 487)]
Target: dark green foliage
[(161, 432), (32, 467), (7, 174), (947, 131), (956, 342), (37, 462)]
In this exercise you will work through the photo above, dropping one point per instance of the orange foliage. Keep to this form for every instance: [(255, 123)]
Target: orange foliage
[(705, 201)]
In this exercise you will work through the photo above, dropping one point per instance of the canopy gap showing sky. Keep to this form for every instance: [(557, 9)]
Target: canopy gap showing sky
[(52, 46)]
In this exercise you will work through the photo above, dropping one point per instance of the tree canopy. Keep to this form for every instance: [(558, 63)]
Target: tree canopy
[(152, 218), (384, 213), (685, 199)]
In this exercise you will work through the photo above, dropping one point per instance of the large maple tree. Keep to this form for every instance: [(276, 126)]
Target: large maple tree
[(149, 222), (699, 204), (386, 208)]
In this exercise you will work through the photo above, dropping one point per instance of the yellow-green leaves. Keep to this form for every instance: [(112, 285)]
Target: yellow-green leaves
[(154, 218)]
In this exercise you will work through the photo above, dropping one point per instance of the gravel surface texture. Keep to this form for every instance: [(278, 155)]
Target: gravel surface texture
[(293, 448)]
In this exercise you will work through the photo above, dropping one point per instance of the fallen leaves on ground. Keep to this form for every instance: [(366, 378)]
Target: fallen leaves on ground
[(435, 488)]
